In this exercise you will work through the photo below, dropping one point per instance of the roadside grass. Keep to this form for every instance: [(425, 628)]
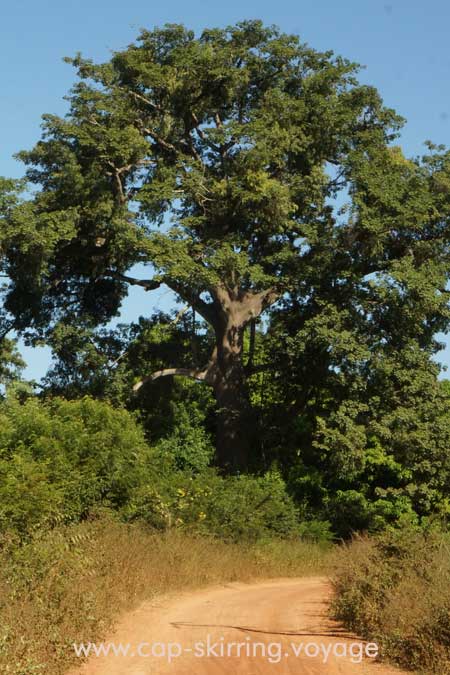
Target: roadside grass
[(69, 585), (395, 589)]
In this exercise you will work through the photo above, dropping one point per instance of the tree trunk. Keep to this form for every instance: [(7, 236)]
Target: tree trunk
[(228, 314), (231, 393), (233, 434)]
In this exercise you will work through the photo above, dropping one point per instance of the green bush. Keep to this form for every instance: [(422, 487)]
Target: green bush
[(188, 448), (235, 508), (318, 531), (59, 458), (252, 508)]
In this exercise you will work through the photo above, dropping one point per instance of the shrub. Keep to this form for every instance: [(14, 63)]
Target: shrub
[(59, 458), (188, 448), (252, 508), (395, 589), (235, 508)]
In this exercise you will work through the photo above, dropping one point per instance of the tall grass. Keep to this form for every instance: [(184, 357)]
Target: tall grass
[(395, 589), (70, 584)]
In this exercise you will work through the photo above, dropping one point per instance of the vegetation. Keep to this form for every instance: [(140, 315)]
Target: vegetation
[(250, 174), (93, 521), (293, 394), (69, 585), (61, 459), (395, 589)]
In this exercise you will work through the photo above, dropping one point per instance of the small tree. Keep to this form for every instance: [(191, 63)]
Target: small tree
[(214, 162)]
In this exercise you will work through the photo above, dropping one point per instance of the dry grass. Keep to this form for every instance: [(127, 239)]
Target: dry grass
[(396, 590), (71, 584)]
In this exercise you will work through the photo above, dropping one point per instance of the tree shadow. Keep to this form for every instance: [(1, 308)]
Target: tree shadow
[(335, 633)]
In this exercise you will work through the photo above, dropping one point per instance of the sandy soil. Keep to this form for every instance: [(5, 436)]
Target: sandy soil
[(279, 615)]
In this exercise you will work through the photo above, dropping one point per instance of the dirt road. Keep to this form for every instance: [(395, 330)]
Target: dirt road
[(271, 620)]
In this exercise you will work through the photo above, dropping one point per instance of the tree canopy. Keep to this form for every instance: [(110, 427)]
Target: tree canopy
[(252, 175)]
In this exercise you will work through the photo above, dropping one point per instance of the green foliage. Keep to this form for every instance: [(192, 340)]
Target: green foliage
[(236, 508), (239, 140), (60, 458), (258, 180), (11, 362), (245, 507), (188, 448), (318, 531), (367, 433), (220, 131)]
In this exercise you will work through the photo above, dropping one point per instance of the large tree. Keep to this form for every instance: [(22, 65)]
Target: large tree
[(215, 162)]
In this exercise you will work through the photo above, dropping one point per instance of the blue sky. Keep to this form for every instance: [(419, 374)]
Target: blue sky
[(403, 45)]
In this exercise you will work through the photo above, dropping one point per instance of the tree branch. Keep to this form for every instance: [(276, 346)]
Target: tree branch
[(147, 284), (208, 375), (121, 197), (207, 310), (256, 303), (268, 297), (180, 314), (160, 141), (186, 143), (145, 100), (6, 330), (193, 373)]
